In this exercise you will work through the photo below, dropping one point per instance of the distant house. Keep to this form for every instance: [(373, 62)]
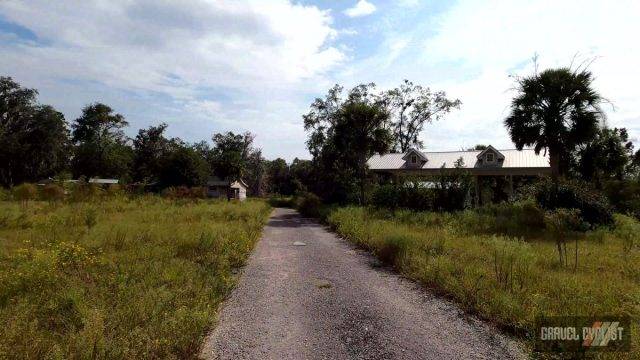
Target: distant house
[(230, 189), (96, 181), (506, 165), (103, 182)]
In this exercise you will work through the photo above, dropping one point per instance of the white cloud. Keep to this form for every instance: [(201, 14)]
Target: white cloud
[(199, 57), (174, 47), (471, 49), (361, 8), (494, 39)]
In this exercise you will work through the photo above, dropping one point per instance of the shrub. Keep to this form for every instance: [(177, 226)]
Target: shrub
[(114, 190), (82, 191), (4, 194), (279, 201), (560, 222), (516, 218), (628, 230), (309, 204), (198, 192), (593, 205), (393, 248), (24, 192), (91, 217), (624, 195), (178, 192), (394, 196), (52, 192)]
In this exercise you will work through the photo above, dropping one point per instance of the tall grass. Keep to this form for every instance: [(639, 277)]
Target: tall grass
[(119, 278), (507, 280)]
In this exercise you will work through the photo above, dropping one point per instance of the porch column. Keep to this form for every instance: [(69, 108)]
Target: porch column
[(477, 178), (510, 187)]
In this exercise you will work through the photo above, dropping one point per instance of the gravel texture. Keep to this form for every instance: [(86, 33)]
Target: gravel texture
[(328, 300)]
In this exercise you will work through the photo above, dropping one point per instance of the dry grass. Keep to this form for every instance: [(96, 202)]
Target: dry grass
[(509, 281), (118, 278)]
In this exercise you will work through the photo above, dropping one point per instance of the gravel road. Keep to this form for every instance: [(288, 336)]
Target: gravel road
[(307, 294)]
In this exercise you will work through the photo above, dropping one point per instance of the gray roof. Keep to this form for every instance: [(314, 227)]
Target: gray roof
[(103, 181), (513, 158), (216, 181)]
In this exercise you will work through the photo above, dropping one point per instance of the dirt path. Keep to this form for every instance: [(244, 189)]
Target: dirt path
[(327, 300)]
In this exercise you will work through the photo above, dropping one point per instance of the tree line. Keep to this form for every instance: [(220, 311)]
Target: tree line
[(557, 111), (38, 143)]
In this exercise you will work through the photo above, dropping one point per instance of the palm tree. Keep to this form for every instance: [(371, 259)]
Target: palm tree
[(555, 110)]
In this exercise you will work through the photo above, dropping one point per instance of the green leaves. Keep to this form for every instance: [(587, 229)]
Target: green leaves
[(557, 110)]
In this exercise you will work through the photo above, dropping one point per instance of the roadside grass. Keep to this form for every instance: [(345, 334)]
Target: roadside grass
[(507, 280), (118, 278)]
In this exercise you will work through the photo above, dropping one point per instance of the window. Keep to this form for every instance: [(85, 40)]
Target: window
[(414, 159), (490, 157)]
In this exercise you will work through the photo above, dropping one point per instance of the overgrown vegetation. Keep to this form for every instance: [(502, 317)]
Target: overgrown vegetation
[(473, 258), (120, 277)]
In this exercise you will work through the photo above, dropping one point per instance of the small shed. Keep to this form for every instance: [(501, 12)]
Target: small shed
[(218, 188)]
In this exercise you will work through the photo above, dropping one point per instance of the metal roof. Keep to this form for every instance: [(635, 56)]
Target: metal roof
[(526, 158), (103, 181)]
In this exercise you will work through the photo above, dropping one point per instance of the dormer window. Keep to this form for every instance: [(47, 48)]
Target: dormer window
[(414, 159), (490, 157)]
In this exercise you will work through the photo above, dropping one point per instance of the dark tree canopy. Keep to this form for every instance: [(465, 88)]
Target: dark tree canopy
[(555, 110), (183, 166), (230, 154), (343, 134), (34, 138), (101, 148), (412, 106), (608, 156), (150, 148)]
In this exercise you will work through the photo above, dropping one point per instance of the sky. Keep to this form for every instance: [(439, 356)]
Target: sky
[(206, 66)]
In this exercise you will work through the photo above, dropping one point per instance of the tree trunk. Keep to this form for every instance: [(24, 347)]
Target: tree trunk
[(554, 162)]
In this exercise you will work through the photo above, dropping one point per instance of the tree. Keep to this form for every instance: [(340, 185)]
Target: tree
[(477, 147), (302, 175), (183, 166), (256, 174), (101, 146), (280, 180), (412, 106), (34, 138), (150, 147), (230, 154), (608, 156), (343, 135), (555, 110)]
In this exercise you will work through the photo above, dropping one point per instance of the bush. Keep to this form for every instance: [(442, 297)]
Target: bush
[(419, 198), (286, 202), (628, 230), (561, 222), (624, 195), (198, 192), (52, 192), (309, 204), (394, 196), (24, 192), (517, 218), (593, 205), (178, 192), (114, 190), (4, 194), (82, 191)]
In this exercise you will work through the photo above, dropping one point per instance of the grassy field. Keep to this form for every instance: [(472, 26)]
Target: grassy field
[(509, 280), (118, 278)]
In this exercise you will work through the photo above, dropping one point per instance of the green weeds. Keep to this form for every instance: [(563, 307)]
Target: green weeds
[(116, 277)]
